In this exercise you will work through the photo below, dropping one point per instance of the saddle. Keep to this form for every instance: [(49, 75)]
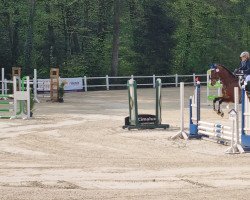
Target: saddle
[(243, 83)]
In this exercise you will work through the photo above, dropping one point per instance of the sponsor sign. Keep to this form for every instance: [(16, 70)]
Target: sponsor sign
[(146, 119), (70, 84)]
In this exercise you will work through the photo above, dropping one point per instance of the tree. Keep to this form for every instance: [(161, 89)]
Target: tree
[(153, 40), (29, 39), (116, 29), (99, 37)]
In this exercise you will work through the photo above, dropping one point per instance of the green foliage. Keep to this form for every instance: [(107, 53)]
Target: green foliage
[(61, 91), (209, 32), (76, 65), (153, 39)]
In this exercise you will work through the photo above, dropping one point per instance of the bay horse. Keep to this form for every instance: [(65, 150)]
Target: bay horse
[(228, 80)]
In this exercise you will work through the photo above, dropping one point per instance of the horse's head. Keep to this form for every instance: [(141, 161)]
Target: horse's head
[(222, 74), (215, 73)]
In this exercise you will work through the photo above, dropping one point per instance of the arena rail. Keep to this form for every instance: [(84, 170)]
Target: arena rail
[(110, 82), (167, 80)]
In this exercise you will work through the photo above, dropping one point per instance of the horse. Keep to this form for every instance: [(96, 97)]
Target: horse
[(228, 80)]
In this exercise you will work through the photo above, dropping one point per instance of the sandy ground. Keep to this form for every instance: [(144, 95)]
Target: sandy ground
[(78, 150)]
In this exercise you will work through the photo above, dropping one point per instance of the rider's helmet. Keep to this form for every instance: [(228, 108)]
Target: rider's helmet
[(244, 54)]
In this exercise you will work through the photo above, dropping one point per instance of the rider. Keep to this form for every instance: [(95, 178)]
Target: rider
[(245, 65)]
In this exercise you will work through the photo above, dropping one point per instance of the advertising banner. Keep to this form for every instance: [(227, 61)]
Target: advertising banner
[(70, 84)]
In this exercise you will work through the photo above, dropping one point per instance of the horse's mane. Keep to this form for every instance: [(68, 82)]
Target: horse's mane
[(227, 70)]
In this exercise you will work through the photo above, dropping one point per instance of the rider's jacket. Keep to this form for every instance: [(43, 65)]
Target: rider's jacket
[(245, 67)]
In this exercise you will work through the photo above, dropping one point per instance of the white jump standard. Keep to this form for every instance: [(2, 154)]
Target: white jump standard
[(219, 132), (4, 82), (19, 100), (143, 121)]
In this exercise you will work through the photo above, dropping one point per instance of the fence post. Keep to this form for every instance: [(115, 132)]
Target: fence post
[(194, 78), (207, 86), (2, 81), (85, 84), (5, 87), (35, 86), (176, 80), (153, 81), (107, 82)]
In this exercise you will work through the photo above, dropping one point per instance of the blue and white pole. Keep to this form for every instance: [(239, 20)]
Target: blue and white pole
[(194, 107)]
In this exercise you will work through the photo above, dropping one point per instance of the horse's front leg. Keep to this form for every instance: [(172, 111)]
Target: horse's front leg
[(214, 102), (220, 112), (220, 100)]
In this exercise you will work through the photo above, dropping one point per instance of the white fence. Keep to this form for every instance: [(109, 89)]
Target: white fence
[(170, 80), (110, 82)]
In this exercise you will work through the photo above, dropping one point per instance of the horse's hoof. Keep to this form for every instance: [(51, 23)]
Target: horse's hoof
[(222, 114)]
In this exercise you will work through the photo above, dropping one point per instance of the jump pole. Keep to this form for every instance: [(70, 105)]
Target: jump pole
[(133, 106), (195, 102), (236, 146), (181, 133), (143, 121), (233, 136), (219, 131)]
